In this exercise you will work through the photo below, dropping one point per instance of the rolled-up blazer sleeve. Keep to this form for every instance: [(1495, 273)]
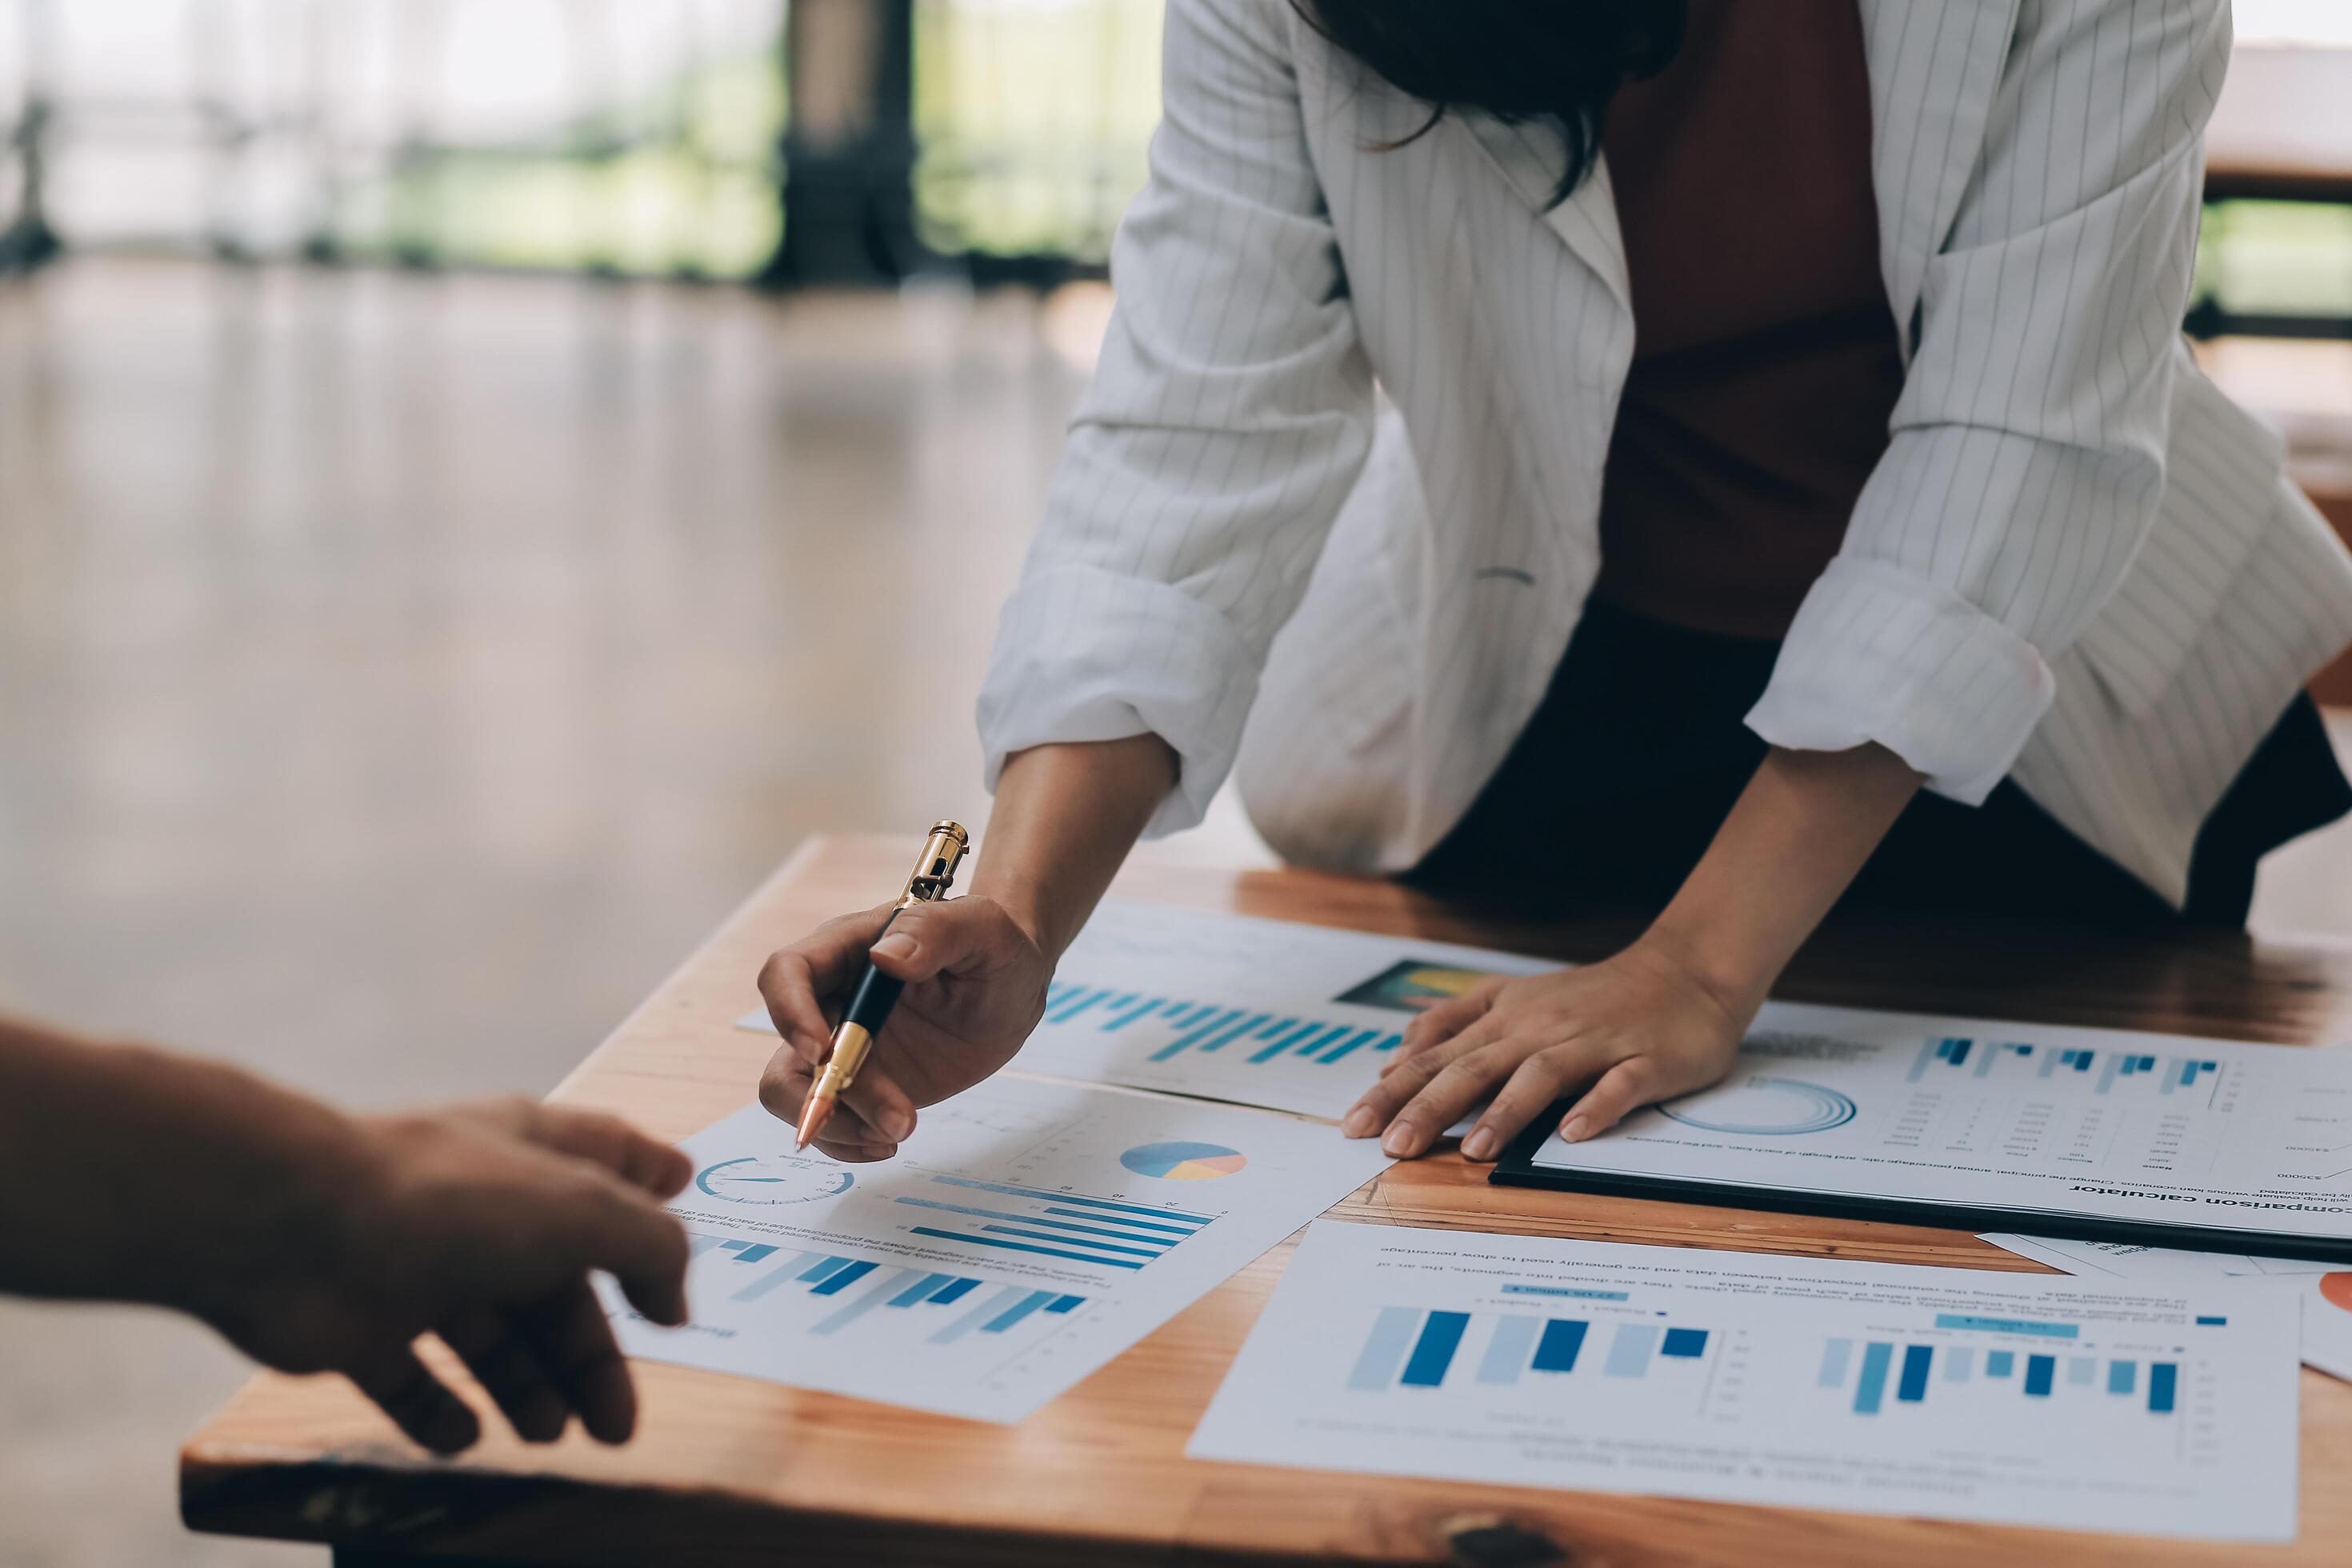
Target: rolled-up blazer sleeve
[(1229, 417), (2027, 454)]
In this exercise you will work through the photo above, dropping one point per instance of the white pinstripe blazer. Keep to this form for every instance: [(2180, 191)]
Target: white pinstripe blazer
[(2077, 565)]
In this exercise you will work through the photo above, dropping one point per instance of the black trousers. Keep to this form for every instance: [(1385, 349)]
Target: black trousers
[(1640, 747)]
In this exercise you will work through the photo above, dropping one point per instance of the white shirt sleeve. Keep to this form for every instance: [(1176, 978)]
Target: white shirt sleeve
[(1228, 420), (2028, 447)]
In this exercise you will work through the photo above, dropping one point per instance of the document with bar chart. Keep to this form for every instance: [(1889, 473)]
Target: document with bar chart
[(2091, 1133), (1026, 1233), (1872, 1388), (1294, 1018), (2326, 1290)]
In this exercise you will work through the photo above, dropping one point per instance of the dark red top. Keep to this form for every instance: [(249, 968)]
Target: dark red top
[(1765, 363)]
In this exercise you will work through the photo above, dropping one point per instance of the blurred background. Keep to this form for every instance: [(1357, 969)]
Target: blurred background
[(463, 464)]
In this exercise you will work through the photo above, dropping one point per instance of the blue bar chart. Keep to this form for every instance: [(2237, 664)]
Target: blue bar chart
[(1069, 1226), (1912, 1368), (1410, 1348), (1256, 1035), (837, 1279), (2099, 1071)]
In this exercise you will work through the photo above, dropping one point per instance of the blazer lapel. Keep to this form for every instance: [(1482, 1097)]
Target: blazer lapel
[(1532, 157), (1934, 67)]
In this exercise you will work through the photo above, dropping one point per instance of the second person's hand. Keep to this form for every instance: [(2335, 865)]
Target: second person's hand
[(976, 985)]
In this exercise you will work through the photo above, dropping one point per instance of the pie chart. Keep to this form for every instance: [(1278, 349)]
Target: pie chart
[(1762, 1107), (1183, 1162)]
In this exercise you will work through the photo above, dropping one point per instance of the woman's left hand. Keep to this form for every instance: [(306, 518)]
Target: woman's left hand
[(1641, 1026)]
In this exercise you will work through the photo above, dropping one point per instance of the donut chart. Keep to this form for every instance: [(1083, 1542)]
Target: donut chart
[(1183, 1162), (1762, 1108)]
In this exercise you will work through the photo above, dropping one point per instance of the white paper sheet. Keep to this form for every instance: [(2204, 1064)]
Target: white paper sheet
[(1271, 1013), (1026, 1235), (2036, 1119), (2324, 1290), (1942, 1393)]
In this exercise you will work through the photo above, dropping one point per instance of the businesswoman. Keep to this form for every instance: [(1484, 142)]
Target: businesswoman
[(1734, 458)]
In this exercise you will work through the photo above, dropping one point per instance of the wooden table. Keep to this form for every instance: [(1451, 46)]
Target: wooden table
[(726, 1471)]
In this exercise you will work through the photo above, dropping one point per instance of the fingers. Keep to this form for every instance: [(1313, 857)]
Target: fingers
[(1539, 1081), (958, 936), (417, 1402), (1621, 1090), (796, 980), (875, 1109), (574, 1343), (617, 1229), (508, 1369), (643, 1163), (1441, 1022), (1379, 1105)]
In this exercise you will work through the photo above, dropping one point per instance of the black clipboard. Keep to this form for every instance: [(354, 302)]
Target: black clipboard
[(1517, 1168)]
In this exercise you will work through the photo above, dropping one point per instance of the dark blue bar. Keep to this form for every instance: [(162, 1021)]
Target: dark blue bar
[(955, 1292), (1042, 1197), (1959, 1051), (1562, 1337), (1685, 1342), (1913, 1387), (1015, 1312), (2083, 1062), (1434, 1350), (2039, 1369), (1073, 1241), (845, 1280), (1999, 1363), (822, 1267), (1344, 1047), (1121, 1021), (1318, 1038), (2161, 1377), (1184, 1042), (754, 1253), (1873, 1384), (1065, 1303), (1283, 1038), (2212, 1323)]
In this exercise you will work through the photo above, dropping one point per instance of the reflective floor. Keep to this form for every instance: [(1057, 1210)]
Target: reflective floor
[(398, 675)]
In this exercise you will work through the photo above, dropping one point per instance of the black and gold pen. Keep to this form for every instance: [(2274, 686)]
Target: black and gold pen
[(877, 992)]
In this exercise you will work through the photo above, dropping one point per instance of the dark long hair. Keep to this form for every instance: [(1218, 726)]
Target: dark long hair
[(1554, 61)]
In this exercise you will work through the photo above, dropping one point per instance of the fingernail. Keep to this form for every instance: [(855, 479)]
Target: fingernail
[(1572, 1132), (896, 945), (1359, 1123), (1400, 1140), (1480, 1144), (898, 1124)]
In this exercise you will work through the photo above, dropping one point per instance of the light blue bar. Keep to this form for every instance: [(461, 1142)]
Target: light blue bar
[(2049, 1064), (919, 1289), (2000, 1363), (824, 1268), (1872, 1386), (1078, 1001), (1025, 1246), (1276, 1026), (1018, 1311), (1142, 1229), (1928, 1052), (2123, 1377), (1149, 1006), (2008, 1325), (1198, 1033), (1507, 1351), (1834, 1356), (1959, 1361), (1629, 1352), (696, 1246), (1179, 1216), (2081, 1370), (781, 1274), (1563, 1291), (1383, 1353), (860, 1305), (978, 1315), (1984, 1062), (2107, 1079), (1226, 1037), (1388, 1042)]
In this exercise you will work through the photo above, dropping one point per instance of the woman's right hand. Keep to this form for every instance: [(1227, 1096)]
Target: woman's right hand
[(976, 983)]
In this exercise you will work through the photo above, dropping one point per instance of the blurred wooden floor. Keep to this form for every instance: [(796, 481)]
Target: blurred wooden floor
[(399, 675)]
